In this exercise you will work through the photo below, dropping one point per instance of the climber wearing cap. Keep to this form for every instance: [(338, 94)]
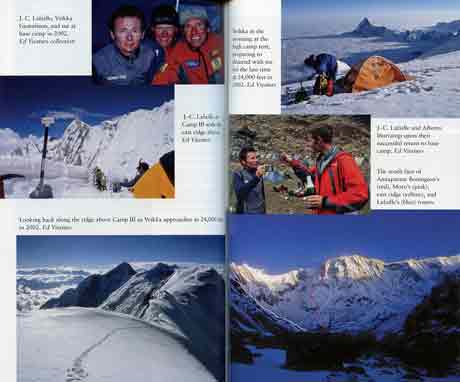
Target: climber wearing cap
[(164, 27), (199, 57)]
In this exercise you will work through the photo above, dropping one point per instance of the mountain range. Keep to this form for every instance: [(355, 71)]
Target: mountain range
[(187, 302), (439, 32), (347, 294), (115, 145)]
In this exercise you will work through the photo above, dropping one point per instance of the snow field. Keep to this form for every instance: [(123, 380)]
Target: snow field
[(77, 344)]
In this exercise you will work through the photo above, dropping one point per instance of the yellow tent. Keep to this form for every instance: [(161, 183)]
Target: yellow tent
[(373, 72), (158, 181)]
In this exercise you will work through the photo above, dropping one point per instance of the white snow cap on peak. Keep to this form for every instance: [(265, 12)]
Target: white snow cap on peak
[(354, 267)]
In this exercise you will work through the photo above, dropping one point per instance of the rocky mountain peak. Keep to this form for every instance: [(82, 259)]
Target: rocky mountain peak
[(353, 267), (364, 23), (122, 269)]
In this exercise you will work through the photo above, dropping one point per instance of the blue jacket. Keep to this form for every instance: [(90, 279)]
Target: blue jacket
[(110, 67), (326, 63), (250, 192)]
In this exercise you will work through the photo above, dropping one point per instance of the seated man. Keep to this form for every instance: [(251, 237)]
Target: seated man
[(325, 66), (199, 57), (127, 60)]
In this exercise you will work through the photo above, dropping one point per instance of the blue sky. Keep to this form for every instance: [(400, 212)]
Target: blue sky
[(354, 6), (331, 16), (86, 251), (24, 100), (279, 243)]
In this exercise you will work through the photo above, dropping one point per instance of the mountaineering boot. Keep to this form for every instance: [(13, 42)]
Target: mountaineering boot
[(330, 88)]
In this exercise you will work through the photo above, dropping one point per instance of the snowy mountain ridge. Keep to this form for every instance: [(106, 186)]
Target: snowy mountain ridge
[(184, 301), (114, 145), (438, 32), (187, 302), (347, 293)]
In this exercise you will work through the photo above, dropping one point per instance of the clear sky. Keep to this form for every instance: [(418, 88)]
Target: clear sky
[(331, 16), (279, 243), (371, 5), (91, 251), (24, 100)]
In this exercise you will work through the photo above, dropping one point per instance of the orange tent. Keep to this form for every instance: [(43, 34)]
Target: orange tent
[(373, 72)]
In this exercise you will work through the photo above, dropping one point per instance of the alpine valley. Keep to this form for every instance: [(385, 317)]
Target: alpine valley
[(354, 318)]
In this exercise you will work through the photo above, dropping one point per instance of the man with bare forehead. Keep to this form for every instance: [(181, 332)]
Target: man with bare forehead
[(128, 60)]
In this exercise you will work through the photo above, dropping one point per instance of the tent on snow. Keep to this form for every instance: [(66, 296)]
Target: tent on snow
[(373, 72)]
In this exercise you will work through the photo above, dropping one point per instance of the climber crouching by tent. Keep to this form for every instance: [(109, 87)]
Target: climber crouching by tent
[(325, 66), (142, 168)]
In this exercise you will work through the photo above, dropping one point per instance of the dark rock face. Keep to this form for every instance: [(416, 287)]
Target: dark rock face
[(319, 351), (432, 330), (93, 290), (239, 352), (366, 29)]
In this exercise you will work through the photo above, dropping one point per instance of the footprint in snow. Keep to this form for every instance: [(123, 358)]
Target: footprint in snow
[(76, 373)]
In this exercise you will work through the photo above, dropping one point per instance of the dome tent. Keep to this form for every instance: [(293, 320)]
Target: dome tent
[(373, 72)]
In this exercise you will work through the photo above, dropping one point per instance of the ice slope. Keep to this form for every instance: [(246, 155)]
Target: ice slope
[(115, 145), (78, 344), (348, 293), (248, 316), (431, 56), (436, 83), (142, 134), (186, 301)]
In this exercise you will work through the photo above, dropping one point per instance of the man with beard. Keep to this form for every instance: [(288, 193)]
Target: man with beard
[(128, 60), (340, 186), (199, 57)]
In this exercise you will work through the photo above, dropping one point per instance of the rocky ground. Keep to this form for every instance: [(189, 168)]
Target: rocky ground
[(273, 134)]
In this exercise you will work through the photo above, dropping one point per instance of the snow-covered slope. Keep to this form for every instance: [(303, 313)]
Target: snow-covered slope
[(451, 45), (93, 290), (248, 316), (435, 82), (430, 55), (348, 293), (186, 301), (115, 146), (77, 344)]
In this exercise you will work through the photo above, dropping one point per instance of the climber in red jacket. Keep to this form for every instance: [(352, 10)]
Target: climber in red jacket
[(339, 183), (196, 59)]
